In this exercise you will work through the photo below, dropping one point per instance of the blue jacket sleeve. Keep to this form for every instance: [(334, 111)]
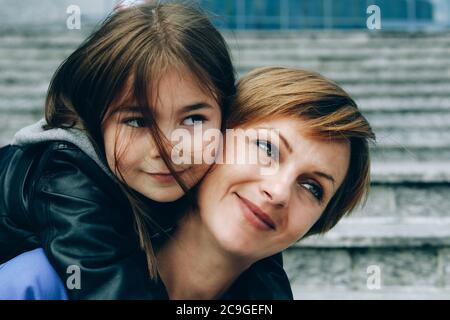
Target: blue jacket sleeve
[(30, 276)]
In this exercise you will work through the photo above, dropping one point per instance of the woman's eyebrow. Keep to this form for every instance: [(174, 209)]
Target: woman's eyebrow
[(283, 139), (286, 143), (326, 176)]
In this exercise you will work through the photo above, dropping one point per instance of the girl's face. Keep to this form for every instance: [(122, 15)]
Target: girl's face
[(253, 215), (181, 104)]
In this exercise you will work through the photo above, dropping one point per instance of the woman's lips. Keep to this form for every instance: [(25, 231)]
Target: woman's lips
[(255, 215)]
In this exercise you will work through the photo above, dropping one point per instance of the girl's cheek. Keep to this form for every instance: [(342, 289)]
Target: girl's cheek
[(195, 173)]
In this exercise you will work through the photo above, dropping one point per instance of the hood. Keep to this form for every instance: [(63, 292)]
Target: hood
[(35, 134)]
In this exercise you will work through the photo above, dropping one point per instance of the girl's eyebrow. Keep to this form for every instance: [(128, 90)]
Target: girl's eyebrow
[(124, 109), (184, 109), (195, 106)]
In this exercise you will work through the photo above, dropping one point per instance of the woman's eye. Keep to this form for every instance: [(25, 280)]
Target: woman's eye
[(268, 148), (314, 189), (193, 120), (135, 122)]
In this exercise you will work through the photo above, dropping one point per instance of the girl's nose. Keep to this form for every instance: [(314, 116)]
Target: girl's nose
[(153, 149), (154, 152)]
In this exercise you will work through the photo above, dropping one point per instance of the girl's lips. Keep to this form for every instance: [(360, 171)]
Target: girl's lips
[(165, 177), (255, 216)]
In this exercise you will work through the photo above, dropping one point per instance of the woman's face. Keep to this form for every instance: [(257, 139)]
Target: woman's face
[(181, 104), (255, 215)]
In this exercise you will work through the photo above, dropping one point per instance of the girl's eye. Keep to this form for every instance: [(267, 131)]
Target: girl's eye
[(135, 122), (314, 189), (270, 150), (193, 120)]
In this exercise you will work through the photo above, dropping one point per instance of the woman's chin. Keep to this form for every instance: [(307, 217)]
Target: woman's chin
[(236, 244)]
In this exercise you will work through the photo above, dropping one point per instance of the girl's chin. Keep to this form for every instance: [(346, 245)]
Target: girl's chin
[(168, 195)]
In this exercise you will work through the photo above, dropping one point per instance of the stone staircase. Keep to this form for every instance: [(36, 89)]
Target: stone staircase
[(402, 84)]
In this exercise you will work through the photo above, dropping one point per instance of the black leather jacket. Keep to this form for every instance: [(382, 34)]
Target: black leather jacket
[(52, 195)]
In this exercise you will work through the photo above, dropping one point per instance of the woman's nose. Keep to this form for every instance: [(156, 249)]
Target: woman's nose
[(276, 191)]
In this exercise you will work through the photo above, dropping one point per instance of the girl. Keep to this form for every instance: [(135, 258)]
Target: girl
[(322, 161), (79, 183)]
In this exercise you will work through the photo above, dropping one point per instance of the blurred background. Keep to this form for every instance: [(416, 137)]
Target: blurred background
[(398, 245)]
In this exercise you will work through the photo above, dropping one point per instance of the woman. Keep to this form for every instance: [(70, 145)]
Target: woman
[(321, 163), (322, 172)]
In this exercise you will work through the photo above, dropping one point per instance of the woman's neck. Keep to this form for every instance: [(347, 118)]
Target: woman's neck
[(192, 265)]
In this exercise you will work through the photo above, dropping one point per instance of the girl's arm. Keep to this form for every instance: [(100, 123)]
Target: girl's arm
[(30, 276)]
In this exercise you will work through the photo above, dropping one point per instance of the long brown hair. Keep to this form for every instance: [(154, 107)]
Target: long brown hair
[(128, 54), (330, 113)]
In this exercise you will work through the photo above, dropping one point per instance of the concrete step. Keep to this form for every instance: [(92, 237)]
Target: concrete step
[(365, 72), (357, 77), (61, 37), (404, 202), (399, 90), (35, 53), (243, 65), (394, 77), (419, 272), (323, 65), (372, 67), (46, 66), (408, 120), (338, 53), (326, 39), (387, 293), (411, 172), (252, 58), (262, 38), (359, 91), (23, 91), (411, 154), (33, 77), (64, 40), (281, 54), (10, 124), (383, 231), (403, 104), (410, 138), (412, 262), (22, 105)]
